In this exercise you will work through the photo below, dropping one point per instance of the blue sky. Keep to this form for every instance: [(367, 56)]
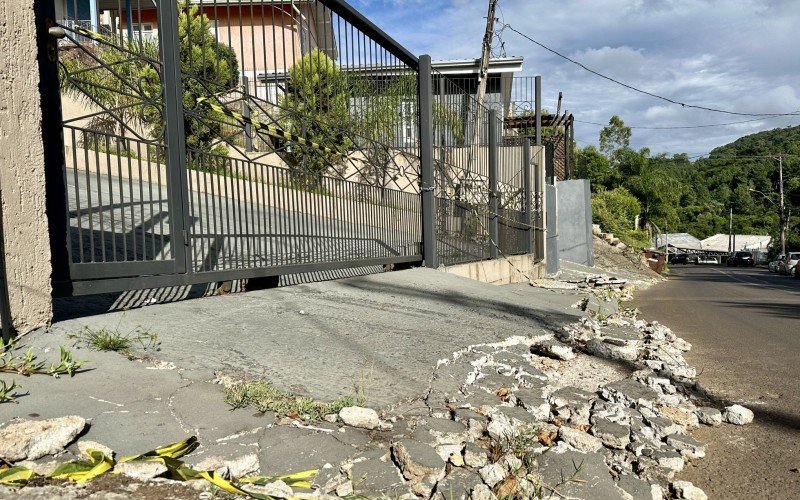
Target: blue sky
[(740, 55)]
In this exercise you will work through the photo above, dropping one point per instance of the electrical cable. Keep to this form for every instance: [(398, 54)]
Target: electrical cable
[(635, 89), (687, 126)]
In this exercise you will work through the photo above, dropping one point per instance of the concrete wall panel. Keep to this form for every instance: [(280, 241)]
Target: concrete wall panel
[(575, 222)]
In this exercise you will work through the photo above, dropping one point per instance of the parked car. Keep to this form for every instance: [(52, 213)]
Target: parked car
[(773, 266), (707, 259), (679, 258), (744, 259), (789, 263)]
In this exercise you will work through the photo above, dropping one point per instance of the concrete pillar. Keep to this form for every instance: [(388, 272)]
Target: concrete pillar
[(22, 179)]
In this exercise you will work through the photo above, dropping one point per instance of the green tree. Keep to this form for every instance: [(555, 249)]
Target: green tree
[(591, 164), (614, 137), (129, 86), (208, 68), (315, 107)]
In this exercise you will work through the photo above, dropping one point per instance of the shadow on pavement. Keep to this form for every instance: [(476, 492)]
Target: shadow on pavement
[(66, 308), (551, 319)]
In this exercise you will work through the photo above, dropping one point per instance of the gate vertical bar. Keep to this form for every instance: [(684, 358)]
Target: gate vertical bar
[(540, 234), (527, 208), (248, 128), (493, 154), (538, 108), (539, 219), (570, 133), (174, 133), (427, 181)]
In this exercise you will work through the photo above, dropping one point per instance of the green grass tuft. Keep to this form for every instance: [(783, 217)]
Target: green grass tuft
[(264, 397), (114, 341)]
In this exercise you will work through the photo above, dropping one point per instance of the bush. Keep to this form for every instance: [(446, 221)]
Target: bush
[(615, 210), (316, 107)]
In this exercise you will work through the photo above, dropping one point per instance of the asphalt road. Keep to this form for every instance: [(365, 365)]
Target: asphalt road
[(744, 325)]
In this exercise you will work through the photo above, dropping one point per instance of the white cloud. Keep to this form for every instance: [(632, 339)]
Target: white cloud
[(736, 55)]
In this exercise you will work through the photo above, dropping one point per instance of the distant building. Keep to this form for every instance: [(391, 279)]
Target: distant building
[(677, 242), (721, 243)]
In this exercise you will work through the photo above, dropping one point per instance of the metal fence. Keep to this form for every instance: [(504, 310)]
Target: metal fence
[(217, 140), (483, 188), (557, 129)]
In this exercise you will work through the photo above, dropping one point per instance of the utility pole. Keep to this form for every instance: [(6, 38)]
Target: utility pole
[(783, 206), (483, 71), (730, 233)]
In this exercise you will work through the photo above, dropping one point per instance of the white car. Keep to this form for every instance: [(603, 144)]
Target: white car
[(787, 266), (773, 266), (707, 259)]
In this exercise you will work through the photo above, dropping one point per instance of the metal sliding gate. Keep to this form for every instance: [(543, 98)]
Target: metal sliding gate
[(204, 141), (210, 141)]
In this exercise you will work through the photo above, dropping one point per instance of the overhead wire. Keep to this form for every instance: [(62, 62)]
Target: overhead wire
[(636, 89), (684, 127)]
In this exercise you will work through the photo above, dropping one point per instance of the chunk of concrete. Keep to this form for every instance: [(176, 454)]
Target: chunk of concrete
[(630, 392), (420, 465), (613, 435), (638, 489), (492, 474), (553, 349), (475, 456), (688, 491), (663, 426), (669, 459), (687, 446), (614, 352), (737, 415), (580, 440), (709, 416), (356, 416), (374, 477), (458, 485), (141, 470), (578, 475), (285, 449), (34, 439)]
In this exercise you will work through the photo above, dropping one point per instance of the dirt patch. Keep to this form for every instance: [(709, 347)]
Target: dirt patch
[(629, 262)]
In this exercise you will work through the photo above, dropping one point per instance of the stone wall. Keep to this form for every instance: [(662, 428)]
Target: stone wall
[(22, 169)]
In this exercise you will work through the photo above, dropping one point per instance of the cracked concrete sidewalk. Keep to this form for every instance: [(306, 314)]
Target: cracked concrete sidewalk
[(382, 333)]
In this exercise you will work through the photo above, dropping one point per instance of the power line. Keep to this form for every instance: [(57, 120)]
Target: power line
[(745, 157), (635, 89), (765, 117)]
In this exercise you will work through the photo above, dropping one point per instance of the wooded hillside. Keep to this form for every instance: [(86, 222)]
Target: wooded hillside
[(679, 194)]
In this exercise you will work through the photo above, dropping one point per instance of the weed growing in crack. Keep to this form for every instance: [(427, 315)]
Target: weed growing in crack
[(12, 360), (8, 392), (106, 339), (265, 397)]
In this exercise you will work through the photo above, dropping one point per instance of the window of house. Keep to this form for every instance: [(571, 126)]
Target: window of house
[(143, 30)]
